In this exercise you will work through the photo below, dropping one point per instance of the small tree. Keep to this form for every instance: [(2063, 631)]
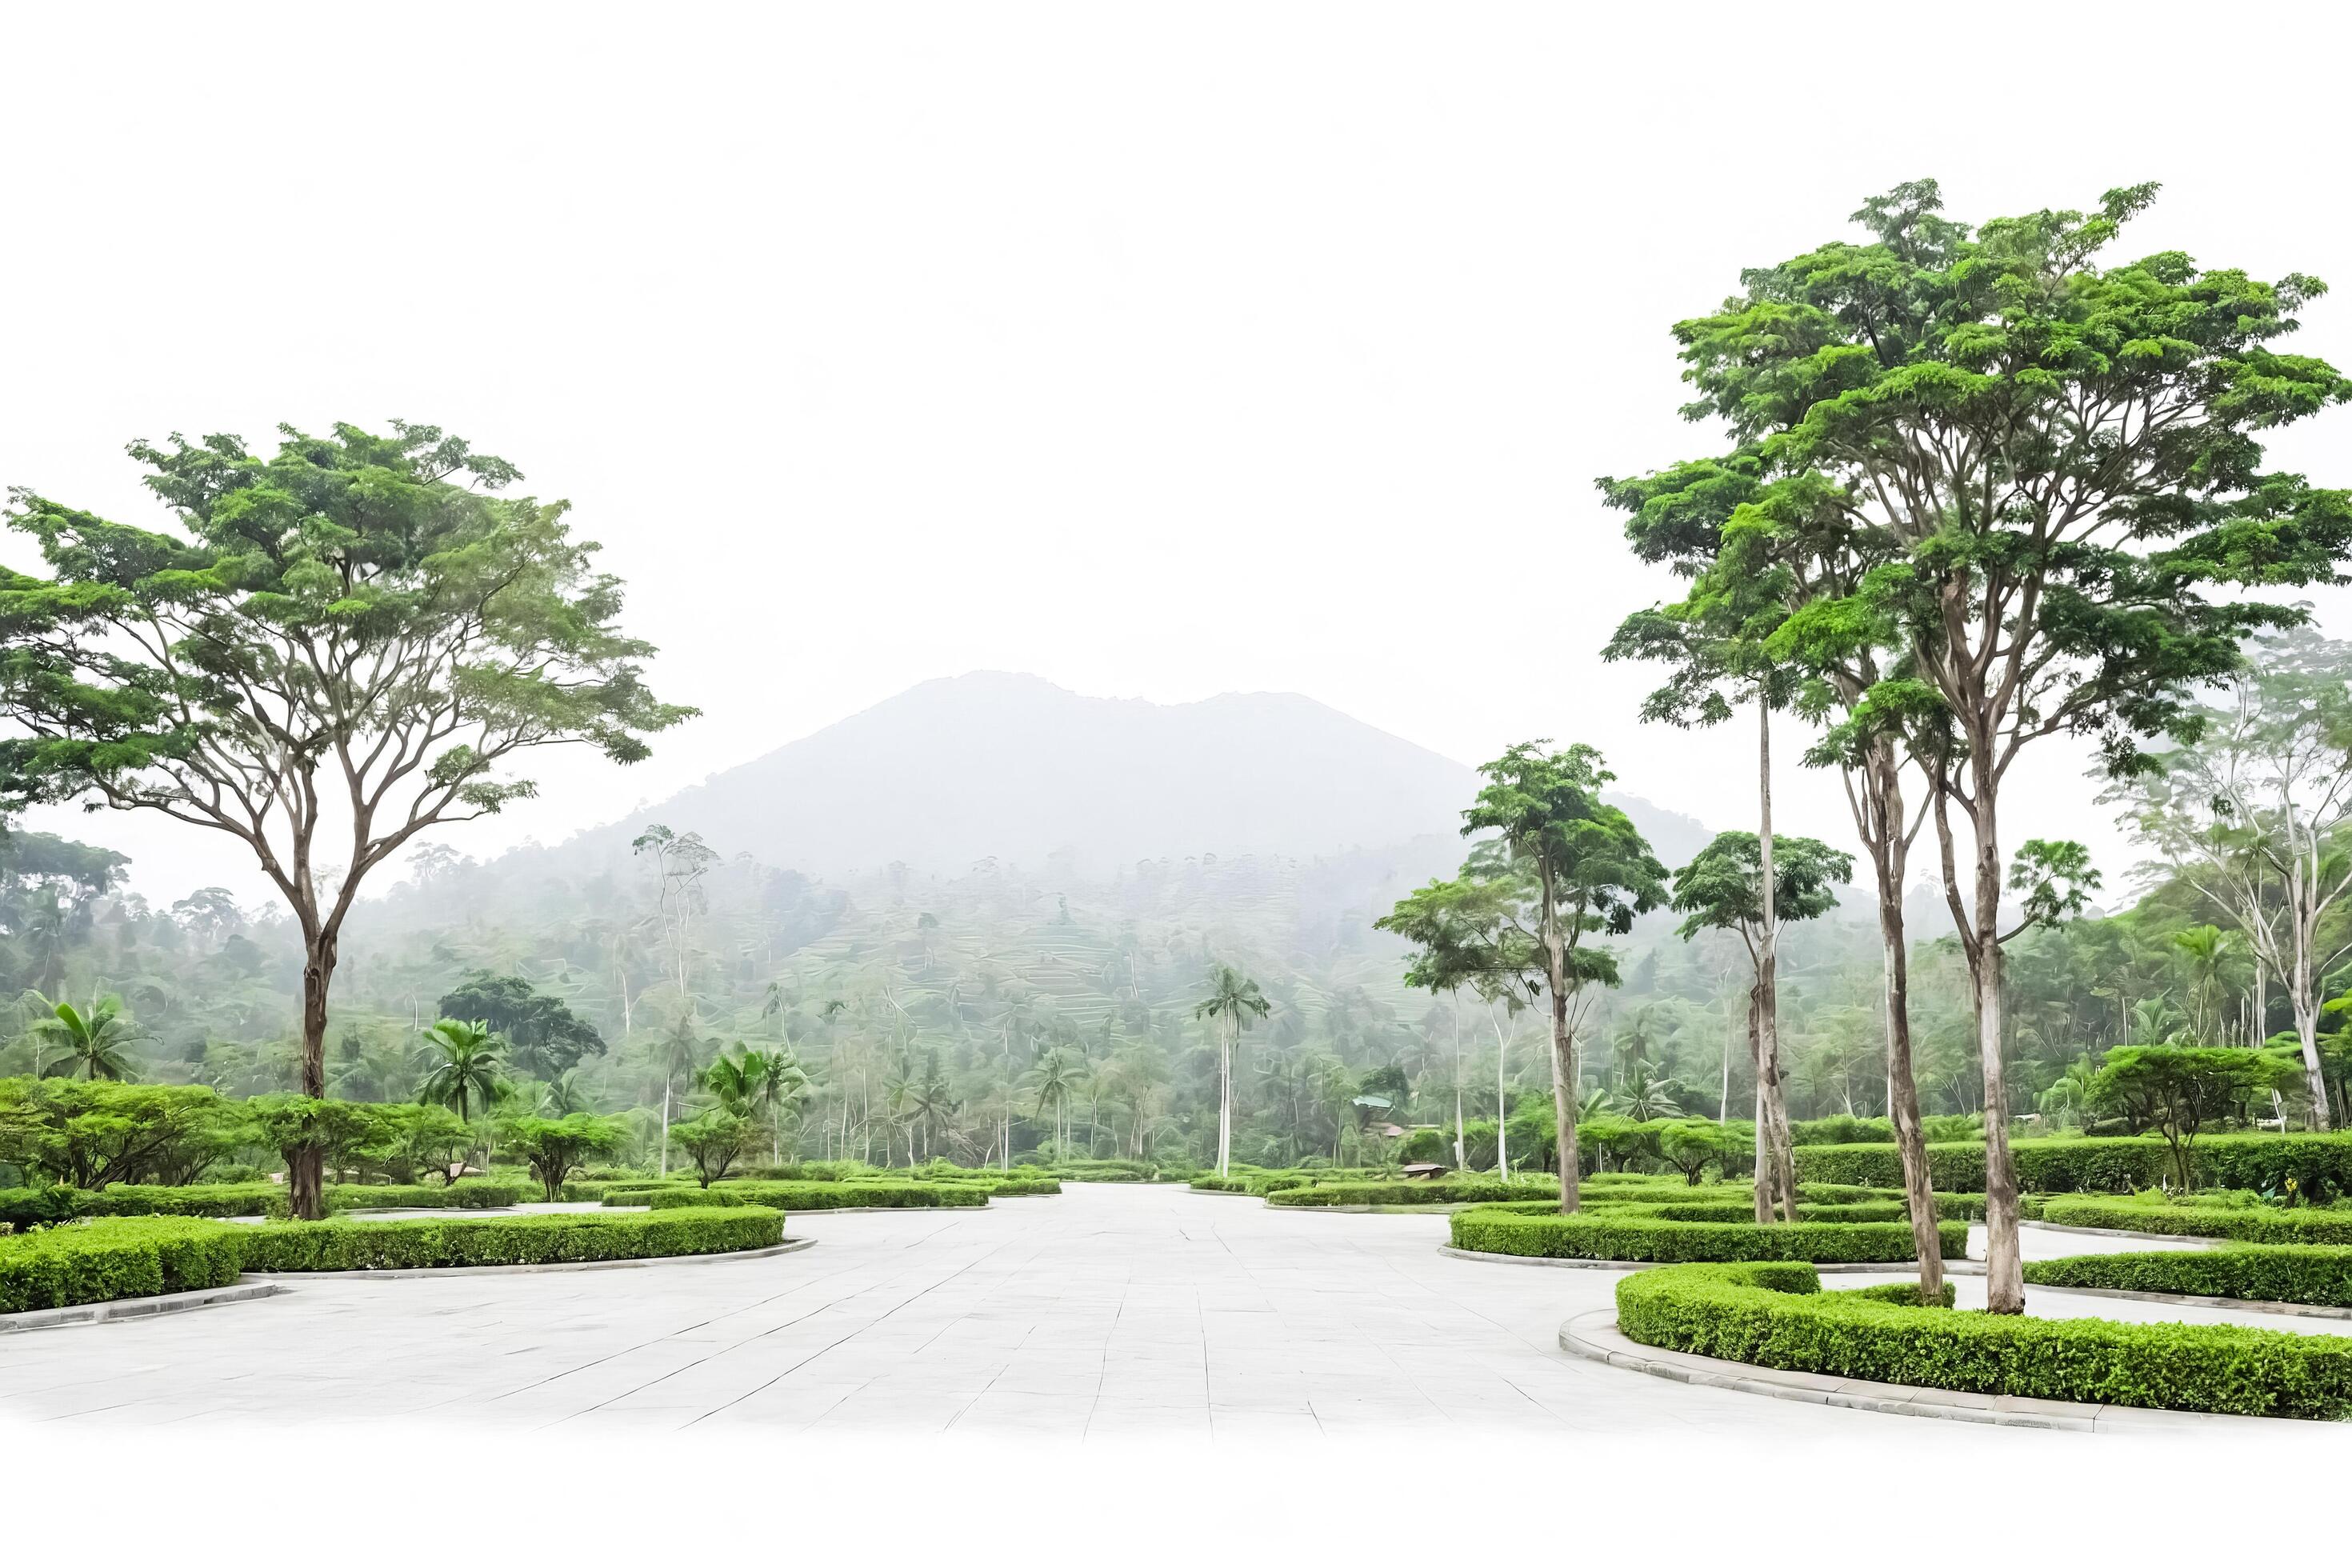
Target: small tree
[(422, 1137), (334, 650), (555, 1146), (2179, 1088), (465, 1066), (714, 1141), (327, 1132), (1693, 1143)]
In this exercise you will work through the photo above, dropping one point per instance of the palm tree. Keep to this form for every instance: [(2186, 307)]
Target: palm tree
[(2209, 950), (679, 1049), (779, 1082), (1236, 999), (1055, 1079), (1644, 1095), (93, 1041), (563, 1097), (464, 1063)]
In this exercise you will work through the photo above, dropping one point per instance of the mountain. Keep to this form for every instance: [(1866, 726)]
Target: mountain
[(958, 770)]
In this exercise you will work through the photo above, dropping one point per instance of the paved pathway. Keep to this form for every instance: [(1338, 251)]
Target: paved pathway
[(1108, 1311)]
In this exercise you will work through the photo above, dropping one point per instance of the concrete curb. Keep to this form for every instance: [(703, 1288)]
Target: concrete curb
[(1593, 1336), (135, 1307), (1952, 1265), (795, 1245)]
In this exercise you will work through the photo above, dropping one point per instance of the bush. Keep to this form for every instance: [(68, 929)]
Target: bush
[(1352, 1194), (2318, 1163), (2312, 1276), (1774, 1316), (323, 1245), (110, 1259), (200, 1202), (24, 1208), (802, 1196), (2310, 1227), (485, 1193), (1632, 1236)]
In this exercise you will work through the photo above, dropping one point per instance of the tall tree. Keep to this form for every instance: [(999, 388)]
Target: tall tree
[(2254, 815), (1233, 1002), (352, 638), (1584, 870), (1723, 889), (2060, 459), (1466, 932)]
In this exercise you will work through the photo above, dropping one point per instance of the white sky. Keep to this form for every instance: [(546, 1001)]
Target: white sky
[(1160, 352)]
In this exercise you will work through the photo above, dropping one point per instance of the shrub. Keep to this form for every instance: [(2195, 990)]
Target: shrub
[(800, 1197), (321, 1246), (24, 1208), (1633, 1237), (486, 1192), (1352, 1194), (2312, 1276), (109, 1260), (87, 1134), (1776, 1317), (207, 1202), (2318, 1163), (713, 1140), (553, 1146), (2311, 1226)]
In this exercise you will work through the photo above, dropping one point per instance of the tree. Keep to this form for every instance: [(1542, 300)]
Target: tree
[(1465, 932), (351, 639), (1693, 1143), (92, 1133), (681, 1051), (93, 1041), (554, 1147), (422, 1137), (541, 1032), (1579, 869), (1236, 1001), (2177, 1089), (327, 1131), (2252, 815), (2050, 462), (1723, 889), (754, 1081), (680, 862), (464, 1063), (713, 1140)]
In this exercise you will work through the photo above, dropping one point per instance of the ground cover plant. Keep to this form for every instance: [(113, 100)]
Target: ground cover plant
[(1776, 1315), (2310, 1276)]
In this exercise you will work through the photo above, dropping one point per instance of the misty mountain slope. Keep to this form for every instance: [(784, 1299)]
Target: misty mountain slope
[(955, 771)]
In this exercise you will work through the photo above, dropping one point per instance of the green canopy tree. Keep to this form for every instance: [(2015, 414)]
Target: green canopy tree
[(714, 1141), (544, 1034), (2054, 461), (1723, 889), (336, 648), (2177, 1089), (556, 1146), (1575, 868)]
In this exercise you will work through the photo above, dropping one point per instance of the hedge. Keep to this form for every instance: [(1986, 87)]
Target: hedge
[(323, 1246), (2310, 1227), (2319, 1163), (209, 1202), (2311, 1276), (803, 1197), (1348, 1194), (1623, 1236), (1778, 1316), (109, 1260), (482, 1194)]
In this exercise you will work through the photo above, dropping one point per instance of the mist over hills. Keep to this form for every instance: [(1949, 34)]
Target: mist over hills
[(1008, 767)]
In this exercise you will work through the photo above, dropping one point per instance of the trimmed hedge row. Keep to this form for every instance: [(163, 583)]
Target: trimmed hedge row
[(2319, 1164), (2309, 1226), (804, 1197), (110, 1259), (1776, 1315), (1348, 1194), (1633, 1237), (338, 1244), (2312, 1276)]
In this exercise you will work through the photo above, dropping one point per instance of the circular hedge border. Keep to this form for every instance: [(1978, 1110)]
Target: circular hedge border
[(1776, 1315), (1640, 1233)]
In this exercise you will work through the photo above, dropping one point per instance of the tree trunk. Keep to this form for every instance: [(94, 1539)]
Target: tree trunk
[(1774, 1126), (667, 1081), (1879, 817), (1501, 1098), (2304, 995), (306, 1190), (1563, 1076), (2005, 1263), (1225, 1104), (1763, 1184)]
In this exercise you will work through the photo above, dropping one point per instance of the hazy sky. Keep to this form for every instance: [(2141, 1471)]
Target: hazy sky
[(1158, 351)]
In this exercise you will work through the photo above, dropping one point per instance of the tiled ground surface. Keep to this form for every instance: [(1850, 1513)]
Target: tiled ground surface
[(1107, 1311)]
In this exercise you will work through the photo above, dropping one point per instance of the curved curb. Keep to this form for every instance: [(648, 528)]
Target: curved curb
[(794, 1245), (1952, 1265), (2127, 1235), (134, 1307), (1593, 1336)]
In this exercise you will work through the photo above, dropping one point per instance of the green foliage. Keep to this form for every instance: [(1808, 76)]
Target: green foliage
[(2316, 1163), (1722, 887), (88, 1135), (2289, 1227), (217, 1201), (110, 1259), (2310, 1276), (1694, 1144), (93, 1041), (336, 1244), (791, 1196), (483, 1192), (1775, 1317), (1632, 1234), (2178, 1090), (1349, 1194), (465, 1066), (336, 1130), (714, 1141), (546, 1037), (554, 1147)]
